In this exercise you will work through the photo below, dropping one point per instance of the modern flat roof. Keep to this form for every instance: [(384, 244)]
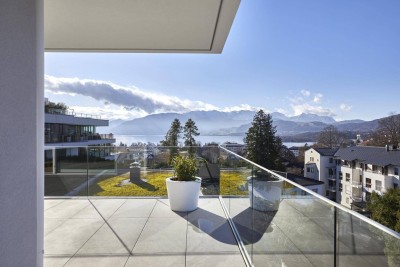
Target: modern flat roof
[(138, 25)]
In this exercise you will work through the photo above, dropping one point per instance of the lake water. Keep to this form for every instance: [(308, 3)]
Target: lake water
[(155, 139)]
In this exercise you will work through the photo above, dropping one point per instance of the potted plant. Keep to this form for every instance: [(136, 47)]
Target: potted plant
[(184, 187), (265, 191)]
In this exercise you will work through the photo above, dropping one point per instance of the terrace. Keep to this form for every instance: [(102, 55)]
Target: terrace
[(137, 230)]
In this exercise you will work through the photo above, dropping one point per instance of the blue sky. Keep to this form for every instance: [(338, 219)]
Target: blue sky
[(338, 58)]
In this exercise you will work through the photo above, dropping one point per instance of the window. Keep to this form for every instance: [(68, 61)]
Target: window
[(378, 186), (347, 177), (348, 191), (327, 193), (340, 176), (368, 182), (311, 159), (330, 160), (396, 171), (340, 187)]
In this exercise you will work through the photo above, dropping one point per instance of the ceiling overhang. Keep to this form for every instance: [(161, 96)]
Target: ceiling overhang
[(194, 26)]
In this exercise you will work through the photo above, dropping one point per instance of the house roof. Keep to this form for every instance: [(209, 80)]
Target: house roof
[(370, 155), (323, 151)]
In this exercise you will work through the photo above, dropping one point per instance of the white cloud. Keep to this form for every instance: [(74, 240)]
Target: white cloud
[(123, 102), (283, 111), (242, 107), (317, 98), (130, 98), (345, 107), (307, 108), (305, 93)]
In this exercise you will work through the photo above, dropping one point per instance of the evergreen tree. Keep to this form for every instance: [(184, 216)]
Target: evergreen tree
[(172, 138), (173, 134), (263, 146), (190, 131)]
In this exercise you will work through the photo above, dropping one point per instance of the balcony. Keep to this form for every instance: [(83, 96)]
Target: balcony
[(332, 177), (331, 188), (95, 215), (356, 184)]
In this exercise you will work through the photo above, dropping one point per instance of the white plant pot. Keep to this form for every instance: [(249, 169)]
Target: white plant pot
[(183, 195), (265, 195)]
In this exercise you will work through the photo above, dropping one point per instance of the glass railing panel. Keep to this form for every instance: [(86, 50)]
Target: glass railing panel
[(66, 171), (361, 243), (141, 171)]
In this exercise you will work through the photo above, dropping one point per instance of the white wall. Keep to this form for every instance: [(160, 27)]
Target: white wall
[(21, 133)]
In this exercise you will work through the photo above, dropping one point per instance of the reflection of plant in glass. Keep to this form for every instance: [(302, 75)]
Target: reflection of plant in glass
[(185, 168)]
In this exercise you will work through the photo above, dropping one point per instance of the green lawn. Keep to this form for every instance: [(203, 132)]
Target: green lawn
[(230, 182)]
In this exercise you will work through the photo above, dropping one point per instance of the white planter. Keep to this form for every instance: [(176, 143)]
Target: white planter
[(183, 195), (264, 195)]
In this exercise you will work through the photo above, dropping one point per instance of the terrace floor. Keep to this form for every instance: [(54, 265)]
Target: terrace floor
[(137, 232), (124, 232)]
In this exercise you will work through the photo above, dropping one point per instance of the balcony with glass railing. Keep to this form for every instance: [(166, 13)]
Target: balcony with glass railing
[(98, 212)]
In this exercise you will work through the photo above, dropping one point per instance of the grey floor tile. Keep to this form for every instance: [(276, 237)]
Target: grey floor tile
[(97, 261), (279, 260), (89, 212), (104, 241), (215, 260), (162, 235), (128, 229), (135, 208), (108, 207), (50, 224), (163, 210), (208, 232), (212, 205), (156, 261), (306, 235), (54, 261), (49, 203), (66, 209), (70, 236)]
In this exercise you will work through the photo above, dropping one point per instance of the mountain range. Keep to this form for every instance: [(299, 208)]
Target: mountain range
[(233, 123)]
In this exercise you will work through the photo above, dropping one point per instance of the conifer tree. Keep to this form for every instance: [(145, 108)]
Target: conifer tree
[(172, 137), (263, 146), (190, 131)]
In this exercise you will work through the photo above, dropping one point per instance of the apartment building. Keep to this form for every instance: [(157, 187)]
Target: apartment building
[(362, 170), (320, 165), (351, 174)]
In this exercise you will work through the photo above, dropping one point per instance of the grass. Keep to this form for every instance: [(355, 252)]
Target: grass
[(231, 183)]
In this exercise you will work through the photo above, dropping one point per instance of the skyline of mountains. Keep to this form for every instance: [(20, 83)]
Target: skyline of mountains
[(233, 123)]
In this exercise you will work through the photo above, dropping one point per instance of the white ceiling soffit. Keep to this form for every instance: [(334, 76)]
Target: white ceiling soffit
[(194, 26)]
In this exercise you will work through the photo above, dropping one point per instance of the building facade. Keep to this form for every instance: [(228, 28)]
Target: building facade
[(320, 165), (351, 174), (362, 170)]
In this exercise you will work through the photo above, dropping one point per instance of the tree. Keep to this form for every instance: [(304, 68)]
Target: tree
[(331, 137), (172, 137), (388, 131), (190, 131), (173, 134), (385, 209), (263, 146)]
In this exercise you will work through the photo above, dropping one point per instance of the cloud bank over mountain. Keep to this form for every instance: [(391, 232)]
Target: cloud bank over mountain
[(132, 101)]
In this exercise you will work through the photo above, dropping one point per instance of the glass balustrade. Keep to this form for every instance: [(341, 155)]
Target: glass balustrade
[(273, 217)]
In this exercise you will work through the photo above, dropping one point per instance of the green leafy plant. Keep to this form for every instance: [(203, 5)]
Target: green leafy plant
[(185, 168)]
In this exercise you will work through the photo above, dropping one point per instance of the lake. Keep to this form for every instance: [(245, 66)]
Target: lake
[(155, 139)]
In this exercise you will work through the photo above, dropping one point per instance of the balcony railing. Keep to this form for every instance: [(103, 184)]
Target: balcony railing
[(303, 225), (356, 184), (331, 188), (332, 177)]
